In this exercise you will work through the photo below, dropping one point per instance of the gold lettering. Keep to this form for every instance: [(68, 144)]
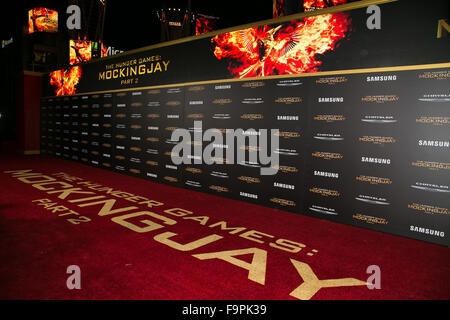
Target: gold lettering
[(164, 239), (256, 269)]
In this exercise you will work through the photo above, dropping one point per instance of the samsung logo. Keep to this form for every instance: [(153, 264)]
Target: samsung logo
[(173, 116), (326, 174), (431, 232), (121, 105), (136, 138), (381, 78), (152, 175), (284, 186), (168, 166), (287, 118), (375, 160), (222, 87), (152, 128), (331, 99), (434, 143), (198, 102), (248, 195)]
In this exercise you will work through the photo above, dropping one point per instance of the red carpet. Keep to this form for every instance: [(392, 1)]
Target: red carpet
[(40, 238)]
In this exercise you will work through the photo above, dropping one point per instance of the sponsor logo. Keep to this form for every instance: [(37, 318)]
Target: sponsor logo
[(379, 119), (435, 98), (288, 100), (431, 232), (369, 219), (119, 157), (107, 105), (284, 186), (173, 90), (136, 93), (152, 175), (221, 116), (433, 143), (196, 88), (252, 101), (218, 188), (170, 179), (380, 98), (287, 118), (222, 87), (136, 126), (325, 192), (329, 137), (436, 75), (382, 78), (374, 180), (437, 121), (329, 118), (331, 80), (222, 101), (326, 174), (153, 104), (171, 128), (152, 139), (154, 91), (248, 195), (327, 155), (289, 83), (136, 171), (323, 210), (430, 187), (286, 152), (151, 163), (249, 179), (193, 183), (136, 104), (121, 94), (377, 139), (252, 116), (431, 165), (219, 174), (121, 115), (173, 116), (136, 115), (196, 103), (330, 99), (169, 166), (254, 84), (428, 209), (372, 200), (153, 115), (135, 149), (375, 160)]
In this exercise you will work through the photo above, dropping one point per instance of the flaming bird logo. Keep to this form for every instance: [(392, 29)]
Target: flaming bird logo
[(288, 48), (65, 81)]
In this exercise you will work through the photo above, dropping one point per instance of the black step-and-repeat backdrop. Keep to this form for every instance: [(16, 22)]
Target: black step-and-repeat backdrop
[(365, 147)]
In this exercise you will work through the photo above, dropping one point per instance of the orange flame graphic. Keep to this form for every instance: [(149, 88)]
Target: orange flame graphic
[(289, 48), (65, 81), (42, 20), (80, 51)]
